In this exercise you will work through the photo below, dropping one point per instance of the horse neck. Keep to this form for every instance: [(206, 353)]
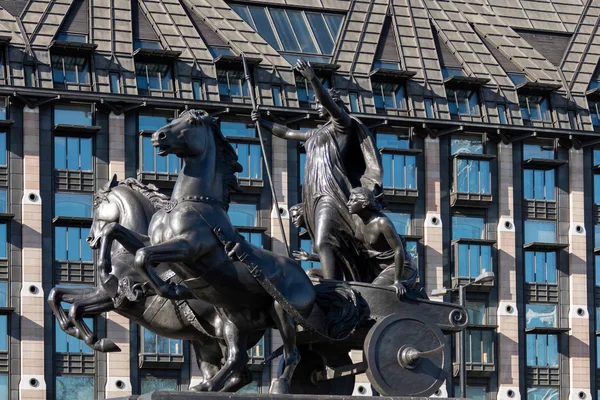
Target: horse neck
[(200, 175), (133, 216)]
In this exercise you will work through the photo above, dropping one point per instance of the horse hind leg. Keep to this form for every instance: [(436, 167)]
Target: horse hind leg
[(287, 328), (208, 356), (97, 304)]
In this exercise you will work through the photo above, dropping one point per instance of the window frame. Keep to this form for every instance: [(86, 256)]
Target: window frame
[(467, 101), (148, 91), (54, 58), (399, 94)]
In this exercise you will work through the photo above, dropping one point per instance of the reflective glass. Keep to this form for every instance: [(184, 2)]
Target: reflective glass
[(540, 231), (429, 108), (542, 394), (4, 332), (284, 29), (394, 141), (306, 245), (353, 102), (301, 30), (467, 227), (401, 222), (412, 250), (476, 393), (545, 151), (596, 188), (334, 23), (197, 89), (302, 163), (3, 386), (477, 313), (3, 241), (252, 387), (321, 31), (151, 383), (73, 114), (465, 144), (473, 176), (68, 344), (596, 157), (540, 267), (154, 121), (75, 387), (253, 237), (72, 205), (70, 244), (242, 214), (115, 83), (596, 236), (539, 184), (276, 91), (3, 109), (541, 315), (473, 259), (3, 202), (3, 148), (263, 26), (3, 294), (597, 268), (473, 103), (239, 129), (502, 114)]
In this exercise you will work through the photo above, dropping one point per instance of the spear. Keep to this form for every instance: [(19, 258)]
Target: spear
[(262, 148)]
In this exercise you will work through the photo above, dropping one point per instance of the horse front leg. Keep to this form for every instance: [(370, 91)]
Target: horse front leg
[(97, 304), (68, 295), (176, 250), (130, 240), (208, 356)]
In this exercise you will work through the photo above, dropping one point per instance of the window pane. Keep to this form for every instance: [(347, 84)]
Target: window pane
[(73, 114), (542, 394), (60, 243), (541, 316), (391, 140), (68, 344), (150, 383), (467, 227), (597, 188), (474, 103), (353, 102), (3, 295), (148, 154), (115, 84), (263, 26), (466, 144), (154, 121), (240, 129), (3, 241), (3, 203), (4, 332), (429, 108), (197, 89), (74, 387), (301, 31), (540, 231), (476, 393), (3, 148), (276, 91), (255, 169), (173, 163), (72, 205), (334, 23), (477, 313), (321, 32), (401, 222), (545, 151), (284, 29), (502, 114), (242, 214)]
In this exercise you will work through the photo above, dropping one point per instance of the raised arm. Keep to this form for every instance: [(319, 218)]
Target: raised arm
[(321, 93), (395, 243), (279, 130)]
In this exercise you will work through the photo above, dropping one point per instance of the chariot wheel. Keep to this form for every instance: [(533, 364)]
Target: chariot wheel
[(314, 360), (405, 356)]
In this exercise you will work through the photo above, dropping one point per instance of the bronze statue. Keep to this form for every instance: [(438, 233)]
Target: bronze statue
[(340, 156), (387, 255)]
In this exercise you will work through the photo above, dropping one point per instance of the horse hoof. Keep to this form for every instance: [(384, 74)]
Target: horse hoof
[(279, 386), (106, 346)]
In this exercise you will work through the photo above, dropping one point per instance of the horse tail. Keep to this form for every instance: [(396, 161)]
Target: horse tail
[(343, 307)]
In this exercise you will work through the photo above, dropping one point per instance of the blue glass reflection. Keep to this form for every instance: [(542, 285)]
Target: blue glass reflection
[(242, 214), (3, 386), (239, 129), (72, 205), (73, 114), (3, 148), (75, 387), (153, 121), (401, 222), (306, 245), (392, 140), (539, 315), (466, 145), (3, 332), (540, 231), (3, 294), (70, 244), (467, 227), (473, 259), (150, 383), (253, 237), (68, 344), (3, 201), (540, 267)]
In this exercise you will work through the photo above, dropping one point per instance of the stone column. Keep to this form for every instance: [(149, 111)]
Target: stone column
[(579, 319), (32, 385), (432, 238), (118, 374), (508, 321)]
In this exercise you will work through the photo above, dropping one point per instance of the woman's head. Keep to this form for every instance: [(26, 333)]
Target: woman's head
[(297, 213), (362, 198)]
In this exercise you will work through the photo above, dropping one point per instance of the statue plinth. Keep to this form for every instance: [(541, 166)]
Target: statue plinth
[(170, 395)]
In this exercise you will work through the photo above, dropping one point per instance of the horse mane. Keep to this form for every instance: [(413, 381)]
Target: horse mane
[(228, 157), (150, 191)]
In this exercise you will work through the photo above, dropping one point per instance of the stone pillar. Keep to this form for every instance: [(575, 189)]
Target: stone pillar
[(32, 385), (508, 321), (118, 374), (579, 319), (432, 238)]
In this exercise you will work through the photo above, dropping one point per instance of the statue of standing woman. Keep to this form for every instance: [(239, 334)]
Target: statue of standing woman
[(340, 155)]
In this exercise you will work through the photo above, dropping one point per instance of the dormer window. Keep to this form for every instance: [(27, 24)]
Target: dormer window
[(67, 70), (153, 77)]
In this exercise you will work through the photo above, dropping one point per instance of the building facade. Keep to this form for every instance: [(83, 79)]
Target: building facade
[(486, 114)]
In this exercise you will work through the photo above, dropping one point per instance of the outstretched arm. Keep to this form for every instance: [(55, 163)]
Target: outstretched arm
[(396, 244), (321, 93), (279, 130)]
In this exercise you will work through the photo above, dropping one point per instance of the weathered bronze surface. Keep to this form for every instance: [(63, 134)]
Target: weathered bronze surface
[(179, 268)]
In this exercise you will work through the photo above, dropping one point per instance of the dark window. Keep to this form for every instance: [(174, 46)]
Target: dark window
[(249, 154), (389, 96), (276, 90), (400, 169), (155, 344), (197, 89), (540, 267), (471, 175), (2, 66), (476, 393), (73, 153), (462, 102), (502, 114), (448, 72), (354, 107), (151, 383), (429, 111), (72, 37), (479, 346), (115, 82), (29, 73), (540, 231), (468, 227), (69, 69), (72, 205), (232, 84), (534, 108), (72, 387), (244, 216), (73, 114), (153, 77)]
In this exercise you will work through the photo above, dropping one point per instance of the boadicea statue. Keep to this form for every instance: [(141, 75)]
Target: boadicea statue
[(178, 267)]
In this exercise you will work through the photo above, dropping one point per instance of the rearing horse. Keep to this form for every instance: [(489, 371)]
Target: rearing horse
[(190, 235)]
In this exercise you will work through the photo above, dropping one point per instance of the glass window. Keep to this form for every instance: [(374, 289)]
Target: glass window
[(462, 102), (252, 387), (468, 227), (74, 387), (596, 188), (73, 114), (3, 114), (539, 184), (306, 94), (596, 236), (534, 108), (29, 73), (595, 113), (147, 44), (476, 393), (479, 346), (249, 154), (73, 153), (68, 344), (306, 245), (3, 201), (542, 350), (540, 267), (473, 176), (301, 167), (276, 91), (3, 149), (258, 350), (412, 250), (353, 102), (597, 268), (69, 69), (3, 241), (242, 214), (197, 89), (401, 222), (238, 129), (540, 231), (4, 332), (400, 171), (448, 72), (70, 244), (115, 82), (3, 294), (72, 205), (541, 315), (389, 96), (152, 162), (393, 140), (151, 77), (502, 114), (153, 121), (542, 394), (473, 259), (477, 312), (151, 383), (155, 344), (464, 144), (258, 19), (429, 113), (232, 84), (3, 386), (545, 151)]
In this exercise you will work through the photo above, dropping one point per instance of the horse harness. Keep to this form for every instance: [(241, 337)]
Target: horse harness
[(236, 252)]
